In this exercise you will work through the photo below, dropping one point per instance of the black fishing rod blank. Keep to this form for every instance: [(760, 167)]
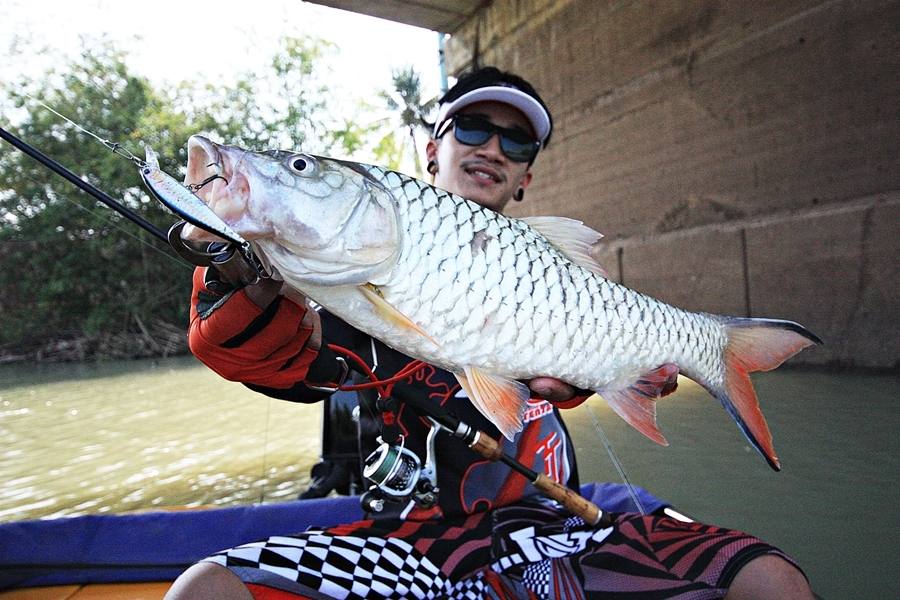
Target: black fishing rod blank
[(83, 185)]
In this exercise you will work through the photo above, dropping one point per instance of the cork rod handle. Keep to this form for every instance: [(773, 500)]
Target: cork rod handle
[(575, 503), (578, 505)]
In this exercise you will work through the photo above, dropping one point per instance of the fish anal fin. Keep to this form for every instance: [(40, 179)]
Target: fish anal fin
[(636, 404), (390, 313), (571, 237), (499, 399)]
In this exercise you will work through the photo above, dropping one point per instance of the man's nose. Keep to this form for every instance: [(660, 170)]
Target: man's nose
[(491, 149)]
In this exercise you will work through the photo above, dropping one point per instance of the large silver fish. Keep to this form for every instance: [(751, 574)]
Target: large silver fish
[(492, 299)]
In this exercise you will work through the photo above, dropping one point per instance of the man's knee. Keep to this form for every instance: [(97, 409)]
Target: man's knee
[(208, 581), (769, 577)]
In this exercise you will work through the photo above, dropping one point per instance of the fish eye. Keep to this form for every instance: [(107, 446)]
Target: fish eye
[(302, 165)]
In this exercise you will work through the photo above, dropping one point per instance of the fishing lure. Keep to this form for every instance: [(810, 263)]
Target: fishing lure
[(182, 201)]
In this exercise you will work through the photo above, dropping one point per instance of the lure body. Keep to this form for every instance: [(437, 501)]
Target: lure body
[(183, 202)]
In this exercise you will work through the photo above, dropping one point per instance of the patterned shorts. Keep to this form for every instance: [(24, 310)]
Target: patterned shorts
[(523, 551)]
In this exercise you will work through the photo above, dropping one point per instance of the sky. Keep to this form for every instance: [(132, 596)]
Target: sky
[(170, 41)]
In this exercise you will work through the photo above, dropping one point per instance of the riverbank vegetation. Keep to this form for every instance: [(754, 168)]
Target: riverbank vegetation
[(79, 281)]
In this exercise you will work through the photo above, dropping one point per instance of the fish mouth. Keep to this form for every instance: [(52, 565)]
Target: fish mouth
[(205, 162), (214, 174)]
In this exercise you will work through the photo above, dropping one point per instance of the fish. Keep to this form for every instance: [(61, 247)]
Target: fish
[(492, 299)]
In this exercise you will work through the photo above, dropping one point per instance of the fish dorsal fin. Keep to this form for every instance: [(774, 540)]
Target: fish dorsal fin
[(499, 399), (571, 237), (637, 402), (390, 313)]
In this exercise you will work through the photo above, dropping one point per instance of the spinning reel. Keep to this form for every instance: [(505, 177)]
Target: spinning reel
[(398, 474)]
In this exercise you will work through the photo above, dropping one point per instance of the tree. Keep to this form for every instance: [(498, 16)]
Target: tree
[(73, 269), (408, 87)]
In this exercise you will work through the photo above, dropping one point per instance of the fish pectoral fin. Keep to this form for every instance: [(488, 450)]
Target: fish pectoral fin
[(499, 399), (637, 402), (390, 313), (571, 237)]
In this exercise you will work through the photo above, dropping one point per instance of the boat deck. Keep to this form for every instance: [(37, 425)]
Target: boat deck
[(96, 591)]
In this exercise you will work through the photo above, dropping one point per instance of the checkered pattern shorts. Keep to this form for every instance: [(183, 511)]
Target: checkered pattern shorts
[(514, 552), (341, 566)]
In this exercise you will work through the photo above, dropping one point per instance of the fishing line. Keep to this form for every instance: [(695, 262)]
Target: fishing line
[(265, 461), (114, 146), (615, 460)]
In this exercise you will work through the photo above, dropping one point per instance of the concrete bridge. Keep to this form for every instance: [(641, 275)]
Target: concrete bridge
[(741, 157)]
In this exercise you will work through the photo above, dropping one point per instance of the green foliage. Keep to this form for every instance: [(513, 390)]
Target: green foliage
[(390, 150), (405, 101), (406, 97), (72, 268)]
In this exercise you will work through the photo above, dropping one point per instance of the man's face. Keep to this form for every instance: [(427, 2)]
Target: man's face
[(483, 173)]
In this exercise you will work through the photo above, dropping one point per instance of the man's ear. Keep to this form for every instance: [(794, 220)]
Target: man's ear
[(526, 179), (431, 149)]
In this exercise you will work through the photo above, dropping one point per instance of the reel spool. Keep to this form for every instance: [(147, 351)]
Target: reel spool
[(394, 469)]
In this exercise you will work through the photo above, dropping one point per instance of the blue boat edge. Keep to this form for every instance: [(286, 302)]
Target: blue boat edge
[(158, 545)]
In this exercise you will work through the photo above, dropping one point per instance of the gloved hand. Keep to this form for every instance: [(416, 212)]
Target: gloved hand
[(254, 334)]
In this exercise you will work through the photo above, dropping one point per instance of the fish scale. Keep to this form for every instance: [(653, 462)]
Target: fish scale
[(549, 273), (489, 298)]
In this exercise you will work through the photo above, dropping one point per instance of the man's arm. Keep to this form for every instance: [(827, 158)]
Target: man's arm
[(260, 337), (272, 341)]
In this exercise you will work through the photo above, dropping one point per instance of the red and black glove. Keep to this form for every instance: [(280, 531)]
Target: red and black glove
[(242, 342)]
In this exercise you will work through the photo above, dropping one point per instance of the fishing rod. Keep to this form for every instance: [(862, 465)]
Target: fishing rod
[(230, 263), (83, 185), (398, 473), (233, 257)]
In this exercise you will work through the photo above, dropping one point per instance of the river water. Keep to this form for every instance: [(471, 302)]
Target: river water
[(122, 436)]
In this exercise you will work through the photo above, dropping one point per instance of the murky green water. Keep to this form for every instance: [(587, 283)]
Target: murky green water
[(116, 437), (835, 505), (121, 436)]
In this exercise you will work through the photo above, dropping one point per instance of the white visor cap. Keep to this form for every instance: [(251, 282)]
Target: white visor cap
[(529, 107)]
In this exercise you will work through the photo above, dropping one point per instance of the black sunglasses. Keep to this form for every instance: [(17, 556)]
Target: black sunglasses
[(473, 130)]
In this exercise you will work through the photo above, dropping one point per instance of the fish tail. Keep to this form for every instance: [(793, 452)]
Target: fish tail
[(756, 345)]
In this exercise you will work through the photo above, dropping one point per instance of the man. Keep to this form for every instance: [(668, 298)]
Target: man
[(488, 535)]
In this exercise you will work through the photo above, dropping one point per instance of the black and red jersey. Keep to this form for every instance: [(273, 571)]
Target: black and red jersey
[(286, 368)]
